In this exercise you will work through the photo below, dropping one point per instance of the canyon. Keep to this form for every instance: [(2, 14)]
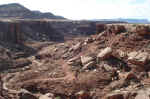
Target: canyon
[(101, 61), (56, 58)]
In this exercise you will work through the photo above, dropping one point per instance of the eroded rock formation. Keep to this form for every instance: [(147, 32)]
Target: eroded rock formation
[(18, 31)]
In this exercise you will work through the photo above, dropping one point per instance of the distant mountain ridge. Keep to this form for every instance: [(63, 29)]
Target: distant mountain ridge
[(15, 10), (129, 20)]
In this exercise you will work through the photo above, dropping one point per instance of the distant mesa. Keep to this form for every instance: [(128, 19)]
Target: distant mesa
[(15, 10)]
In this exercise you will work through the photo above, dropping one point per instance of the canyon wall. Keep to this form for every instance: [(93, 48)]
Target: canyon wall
[(18, 31), (9, 31)]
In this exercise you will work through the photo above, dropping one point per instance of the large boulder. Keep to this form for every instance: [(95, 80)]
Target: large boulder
[(76, 47), (138, 58), (89, 65), (75, 61), (88, 61), (121, 54), (107, 68), (105, 53), (47, 96), (99, 36)]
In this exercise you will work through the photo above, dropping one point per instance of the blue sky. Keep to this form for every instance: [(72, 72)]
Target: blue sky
[(89, 9)]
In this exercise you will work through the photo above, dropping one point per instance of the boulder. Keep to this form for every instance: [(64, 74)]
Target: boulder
[(131, 55), (75, 61), (86, 59), (107, 68), (138, 58), (121, 54), (105, 53), (76, 47), (88, 62), (100, 35), (88, 40), (47, 96), (24, 94), (89, 65)]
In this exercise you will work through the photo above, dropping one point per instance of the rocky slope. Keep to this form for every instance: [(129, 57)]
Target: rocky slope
[(18, 11), (112, 64)]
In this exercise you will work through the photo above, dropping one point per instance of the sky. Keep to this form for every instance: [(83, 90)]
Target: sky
[(89, 9)]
